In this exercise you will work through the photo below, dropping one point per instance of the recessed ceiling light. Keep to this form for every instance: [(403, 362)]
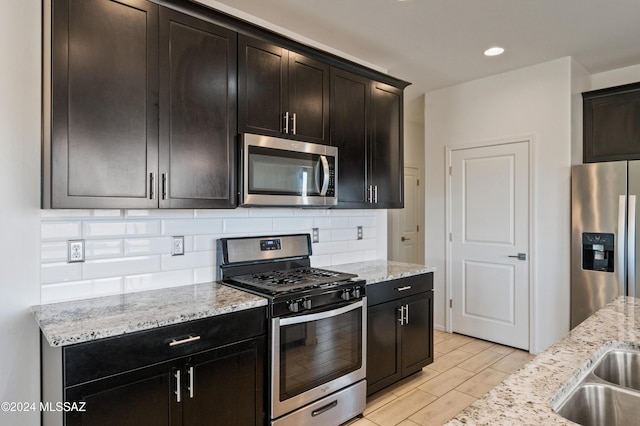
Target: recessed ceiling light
[(494, 51)]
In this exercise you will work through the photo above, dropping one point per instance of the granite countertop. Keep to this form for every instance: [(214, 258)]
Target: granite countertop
[(525, 397), (375, 271), (79, 321)]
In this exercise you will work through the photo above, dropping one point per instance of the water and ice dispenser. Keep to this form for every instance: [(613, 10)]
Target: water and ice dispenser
[(597, 251)]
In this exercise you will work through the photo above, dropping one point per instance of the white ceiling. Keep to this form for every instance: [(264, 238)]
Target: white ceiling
[(439, 43)]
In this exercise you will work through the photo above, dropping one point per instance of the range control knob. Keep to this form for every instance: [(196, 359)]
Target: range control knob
[(356, 292), (306, 303), (294, 306), (346, 295)]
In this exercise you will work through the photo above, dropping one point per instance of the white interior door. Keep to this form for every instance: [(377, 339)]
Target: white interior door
[(404, 230), (489, 243)]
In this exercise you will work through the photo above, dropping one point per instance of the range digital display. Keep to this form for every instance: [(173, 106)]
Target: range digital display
[(273, 244)]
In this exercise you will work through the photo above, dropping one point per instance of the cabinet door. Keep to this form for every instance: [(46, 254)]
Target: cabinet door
[(417, 333), (383, 345), (350, 101), (612, 124), (225, 386), (262, 83), (387, 160), (140, 397), (104, 100), (309, 99), (197, 112)]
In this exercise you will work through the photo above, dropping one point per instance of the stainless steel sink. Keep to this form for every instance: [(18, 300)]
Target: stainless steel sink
[(621, 367), (601, 405), (608, 392)]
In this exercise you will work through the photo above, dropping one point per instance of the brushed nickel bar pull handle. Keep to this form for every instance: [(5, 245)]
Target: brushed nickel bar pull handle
[(406, 287), (189, 339), (401, 311), (293, 123), (191, 390), (520, 256), (165, 181), (286, 122), (375, 194), (152, 181), (178, 386), (370, 198), (406, 311)]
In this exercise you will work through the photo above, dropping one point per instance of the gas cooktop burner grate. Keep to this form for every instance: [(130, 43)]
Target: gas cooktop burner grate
[(281, 281)]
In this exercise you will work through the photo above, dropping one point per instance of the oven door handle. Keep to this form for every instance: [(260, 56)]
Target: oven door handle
[(321, 315)]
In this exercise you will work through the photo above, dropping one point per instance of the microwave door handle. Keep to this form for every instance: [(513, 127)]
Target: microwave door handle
[(325, 180)]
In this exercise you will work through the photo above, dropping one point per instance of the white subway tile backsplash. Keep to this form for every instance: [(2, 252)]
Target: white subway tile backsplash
[(52, 293), (191, 226), (147, 246), (99, 229), (220, 214), (120, 266), (60, 272), (158, 214), (130, 250), (60, 230), (157, 280), (53, 252), (190, 260), (204, 275), (254, 225), (100, 249), (291, 224)]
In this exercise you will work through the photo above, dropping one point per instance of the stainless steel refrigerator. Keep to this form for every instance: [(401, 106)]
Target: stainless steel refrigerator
[(604, 235)]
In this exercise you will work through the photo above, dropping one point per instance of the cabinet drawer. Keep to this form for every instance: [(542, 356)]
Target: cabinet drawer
[(386, 291), (101, 358)]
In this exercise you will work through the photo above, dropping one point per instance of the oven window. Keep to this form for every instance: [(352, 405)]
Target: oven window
[(317, 352), (279, 172)]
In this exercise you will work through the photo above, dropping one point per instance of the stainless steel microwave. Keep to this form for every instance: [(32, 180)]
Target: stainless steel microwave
[(282, 172)]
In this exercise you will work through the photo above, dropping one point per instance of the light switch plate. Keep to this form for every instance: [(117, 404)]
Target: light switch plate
[(177, 247), (315, 235), (75, 251), (359, 232)]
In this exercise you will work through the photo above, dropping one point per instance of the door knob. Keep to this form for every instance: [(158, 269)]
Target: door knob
[(520, 256), (405, 239)]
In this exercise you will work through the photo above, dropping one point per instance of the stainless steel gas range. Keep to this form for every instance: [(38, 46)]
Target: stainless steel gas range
[(317, 328)]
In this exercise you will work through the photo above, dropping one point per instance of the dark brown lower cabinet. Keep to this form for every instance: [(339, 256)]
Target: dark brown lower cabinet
[(140, 379), (399, 329)]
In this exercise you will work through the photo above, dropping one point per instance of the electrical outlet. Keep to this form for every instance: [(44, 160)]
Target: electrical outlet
[(76, 251), (359, 232), (315, 235), (177, 248)]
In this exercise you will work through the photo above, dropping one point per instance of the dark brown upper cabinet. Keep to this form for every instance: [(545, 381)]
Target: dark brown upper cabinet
[(612, 124), (197, 113), (282, 93), (139, 108), (366, 126)]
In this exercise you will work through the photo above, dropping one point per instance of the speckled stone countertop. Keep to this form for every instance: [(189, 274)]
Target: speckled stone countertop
[(525, 397), (375, 271), (78, 321)]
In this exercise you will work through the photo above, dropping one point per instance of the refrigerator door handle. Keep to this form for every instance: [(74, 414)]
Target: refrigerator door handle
[(631, 247), (622, 208)]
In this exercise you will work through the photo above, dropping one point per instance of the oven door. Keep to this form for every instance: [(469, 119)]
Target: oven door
[(287, 173), (317, 354)]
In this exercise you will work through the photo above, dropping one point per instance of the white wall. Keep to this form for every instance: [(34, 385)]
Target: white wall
[(615, 77), (19, 203), (530, 102)]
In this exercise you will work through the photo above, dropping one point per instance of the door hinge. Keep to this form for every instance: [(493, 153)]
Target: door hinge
[(417, 182), (451, 303), (450, 236), (450, 170), (417, 228)]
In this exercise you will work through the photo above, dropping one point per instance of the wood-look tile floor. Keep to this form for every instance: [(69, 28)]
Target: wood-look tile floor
[(463, 370)]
